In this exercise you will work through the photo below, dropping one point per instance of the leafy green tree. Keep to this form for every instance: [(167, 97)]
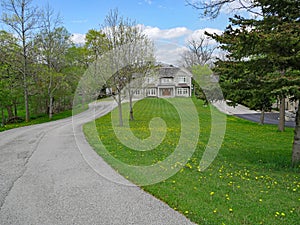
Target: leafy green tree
[(206, 85), (23, 19), (96, 44), (9, 74), (52, 42), (77, 62)]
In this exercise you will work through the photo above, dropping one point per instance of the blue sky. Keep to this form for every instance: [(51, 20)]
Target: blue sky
[(169, 21), (80, 15)]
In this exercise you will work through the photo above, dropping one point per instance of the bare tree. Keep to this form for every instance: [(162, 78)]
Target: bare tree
[(141, 59), (23, 19), (212, 8), (200, 52), (132, 51)]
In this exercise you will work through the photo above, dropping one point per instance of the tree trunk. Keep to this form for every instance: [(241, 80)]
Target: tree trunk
[(3, 118), (16, 109), (262, 117), (82, 100), (50, 106), (296, 144), (130, 105), (120, 110), (9, 112), (281, 124), (27, 117), (131, 111)]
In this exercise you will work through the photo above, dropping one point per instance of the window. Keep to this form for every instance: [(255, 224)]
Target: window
[(182, 91), (182, 79), (138, 92), (166, 80), (151, 92)]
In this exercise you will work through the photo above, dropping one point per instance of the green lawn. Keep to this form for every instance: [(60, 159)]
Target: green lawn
[(250, 181)]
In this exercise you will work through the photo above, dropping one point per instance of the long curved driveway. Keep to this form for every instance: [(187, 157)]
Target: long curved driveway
[(44, 179)]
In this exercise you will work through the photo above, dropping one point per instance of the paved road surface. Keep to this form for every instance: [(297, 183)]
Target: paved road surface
[(252, 115), (270, 118), (45, 180)]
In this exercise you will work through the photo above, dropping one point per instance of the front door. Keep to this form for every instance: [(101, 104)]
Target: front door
[(166, 91)]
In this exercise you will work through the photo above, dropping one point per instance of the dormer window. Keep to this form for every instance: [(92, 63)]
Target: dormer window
[(166, 80), (182, 80)]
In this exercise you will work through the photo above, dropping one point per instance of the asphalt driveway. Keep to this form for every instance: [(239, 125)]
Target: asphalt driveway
[(248, 114), (44, 179), (270, 118)]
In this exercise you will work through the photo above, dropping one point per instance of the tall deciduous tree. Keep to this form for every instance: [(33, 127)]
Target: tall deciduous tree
[(131, 51), (96, 44), (23, 19), (52, 43), (200, 52), (9, 74)]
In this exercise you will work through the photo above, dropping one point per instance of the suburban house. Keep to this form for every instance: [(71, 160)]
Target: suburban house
[(170, 81)]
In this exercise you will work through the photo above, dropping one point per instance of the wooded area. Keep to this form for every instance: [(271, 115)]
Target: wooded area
[(39, 65)]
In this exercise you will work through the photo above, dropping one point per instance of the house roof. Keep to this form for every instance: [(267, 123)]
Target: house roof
[(172, 71)]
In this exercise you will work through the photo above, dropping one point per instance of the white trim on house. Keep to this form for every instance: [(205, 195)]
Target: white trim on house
[(170, 82), (183, 92), (151, 92)]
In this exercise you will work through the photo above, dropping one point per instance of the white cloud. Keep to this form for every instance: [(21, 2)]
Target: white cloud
[(157, 33), (240, 7), (168, 52), (197, 34), (200, 33), (169, 43), (78, 38)]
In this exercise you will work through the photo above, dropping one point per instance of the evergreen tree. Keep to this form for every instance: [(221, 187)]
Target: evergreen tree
[(263, 57)]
